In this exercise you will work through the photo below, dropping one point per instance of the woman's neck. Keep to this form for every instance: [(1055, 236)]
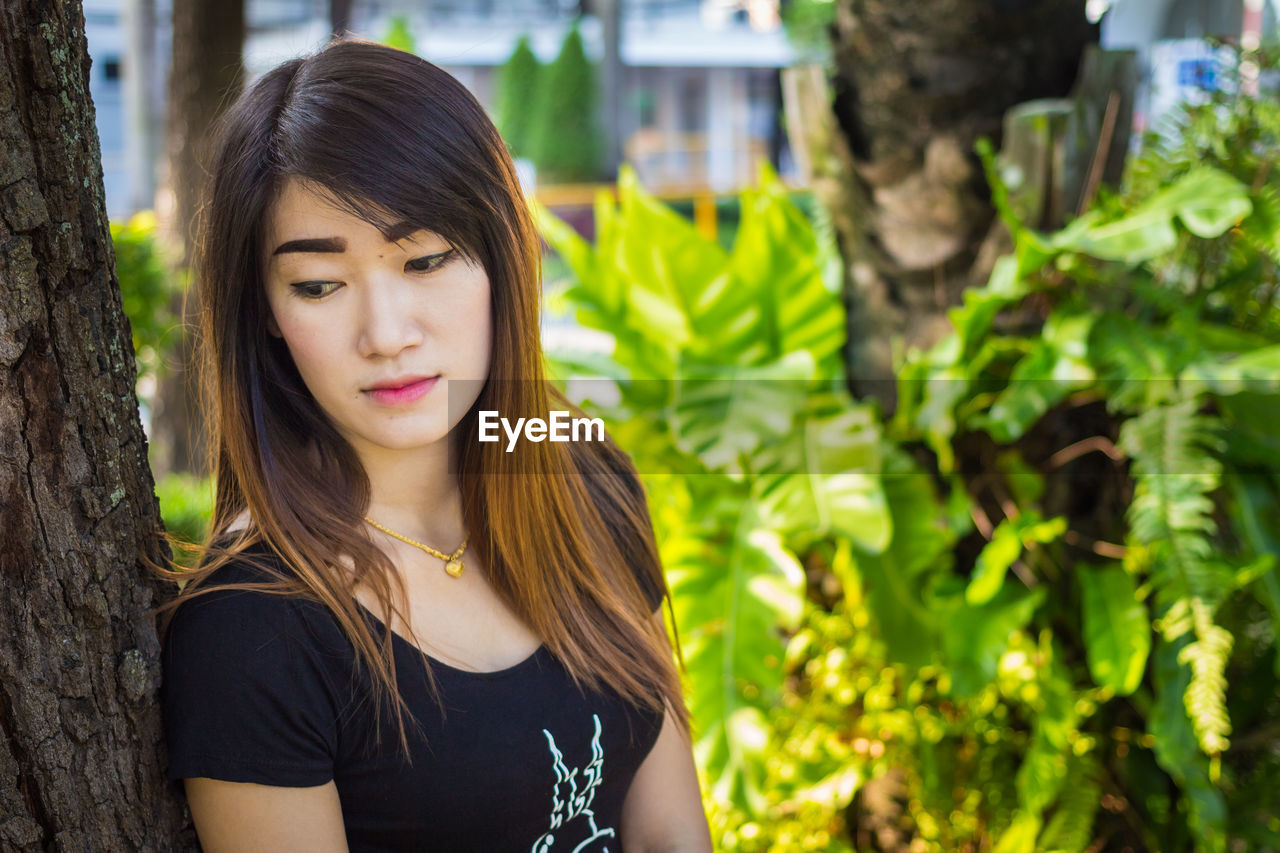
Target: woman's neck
[(416, 494)]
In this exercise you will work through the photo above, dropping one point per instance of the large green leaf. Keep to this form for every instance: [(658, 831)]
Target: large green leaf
[(1020, 835), (731, 602), (895, 577), (775, 265), (1208, 201), (824, 477), (1117, 628), (668, 265), (601, 292), (724, 415)]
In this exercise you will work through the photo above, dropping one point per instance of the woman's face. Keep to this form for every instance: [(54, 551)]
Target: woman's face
[(376, 328)]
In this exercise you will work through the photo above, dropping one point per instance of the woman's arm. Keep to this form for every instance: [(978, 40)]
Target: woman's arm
[(662, 812), (241, 817)]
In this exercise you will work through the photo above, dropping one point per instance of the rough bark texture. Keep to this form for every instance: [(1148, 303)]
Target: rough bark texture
[(917, 82), (206, 74), (80, 734)]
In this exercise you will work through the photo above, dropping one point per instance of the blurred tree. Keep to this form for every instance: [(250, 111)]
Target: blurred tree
[(206, 73), (399, 35), (339, 16), (517, 86), (565, 138), (917, 82), (80, 767)]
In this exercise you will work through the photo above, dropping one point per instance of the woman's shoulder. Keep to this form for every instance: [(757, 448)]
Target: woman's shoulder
[(249, 600), (250, 692)]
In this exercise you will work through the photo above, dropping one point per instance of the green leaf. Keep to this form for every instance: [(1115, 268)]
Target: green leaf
[(1142, 235), (974, 636), (1117, 628), (1020, 837), (1255, 371), (824, 477), (1136, 364), (895, 577), (942, 383), (775, 272), (1208, 201), (1006, 544), (730, 604), (1206, 694), (725, 415), (1071, 828), (972, 321), (1054, 367), (1177, 751), (994, 560)]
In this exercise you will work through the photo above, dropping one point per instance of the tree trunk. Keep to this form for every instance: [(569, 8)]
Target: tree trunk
[(140, 72), (80, 729), (339, 17), (207, 72), (917, 82)]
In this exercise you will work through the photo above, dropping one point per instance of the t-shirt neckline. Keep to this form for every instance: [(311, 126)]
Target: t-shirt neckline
[(534, 656)]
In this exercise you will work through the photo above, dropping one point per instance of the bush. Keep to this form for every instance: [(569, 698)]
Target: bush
[(399, 36), (517, 89), (565, 137), (145, 290), (186, 507)]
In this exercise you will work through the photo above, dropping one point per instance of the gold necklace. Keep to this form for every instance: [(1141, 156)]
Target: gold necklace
[(452, 562)]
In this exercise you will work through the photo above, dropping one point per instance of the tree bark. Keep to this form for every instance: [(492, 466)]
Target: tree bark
[(207, 72), (80, 729), (917, 82)]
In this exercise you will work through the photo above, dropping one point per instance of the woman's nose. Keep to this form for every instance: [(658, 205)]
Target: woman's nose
[(390, 322)]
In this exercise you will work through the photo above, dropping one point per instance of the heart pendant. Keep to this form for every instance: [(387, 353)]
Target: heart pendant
[(454, 568)]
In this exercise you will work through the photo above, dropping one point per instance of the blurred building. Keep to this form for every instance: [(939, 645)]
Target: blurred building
[(1173, 40), (699, 101)]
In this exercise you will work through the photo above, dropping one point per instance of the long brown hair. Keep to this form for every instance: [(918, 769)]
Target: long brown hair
[(560, 526)]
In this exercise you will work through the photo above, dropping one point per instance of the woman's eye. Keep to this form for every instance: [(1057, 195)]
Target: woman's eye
[(315, 289), (427, 263)]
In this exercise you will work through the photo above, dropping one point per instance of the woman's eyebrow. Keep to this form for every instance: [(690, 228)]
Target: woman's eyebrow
[(313, 244)]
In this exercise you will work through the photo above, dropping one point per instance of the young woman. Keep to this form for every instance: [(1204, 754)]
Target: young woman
[(402, 637)]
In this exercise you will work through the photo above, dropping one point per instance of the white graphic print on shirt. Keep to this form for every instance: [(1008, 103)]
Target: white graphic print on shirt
[(569, 803)]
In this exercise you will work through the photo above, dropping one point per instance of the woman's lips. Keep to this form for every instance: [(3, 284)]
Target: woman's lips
[(402, 394)]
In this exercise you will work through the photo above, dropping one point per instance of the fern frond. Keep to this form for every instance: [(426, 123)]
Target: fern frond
[(1175, 470), (1071, 828), (1206, 695)]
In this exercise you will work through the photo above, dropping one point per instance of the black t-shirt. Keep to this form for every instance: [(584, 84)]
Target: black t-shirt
[(263, 688)]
